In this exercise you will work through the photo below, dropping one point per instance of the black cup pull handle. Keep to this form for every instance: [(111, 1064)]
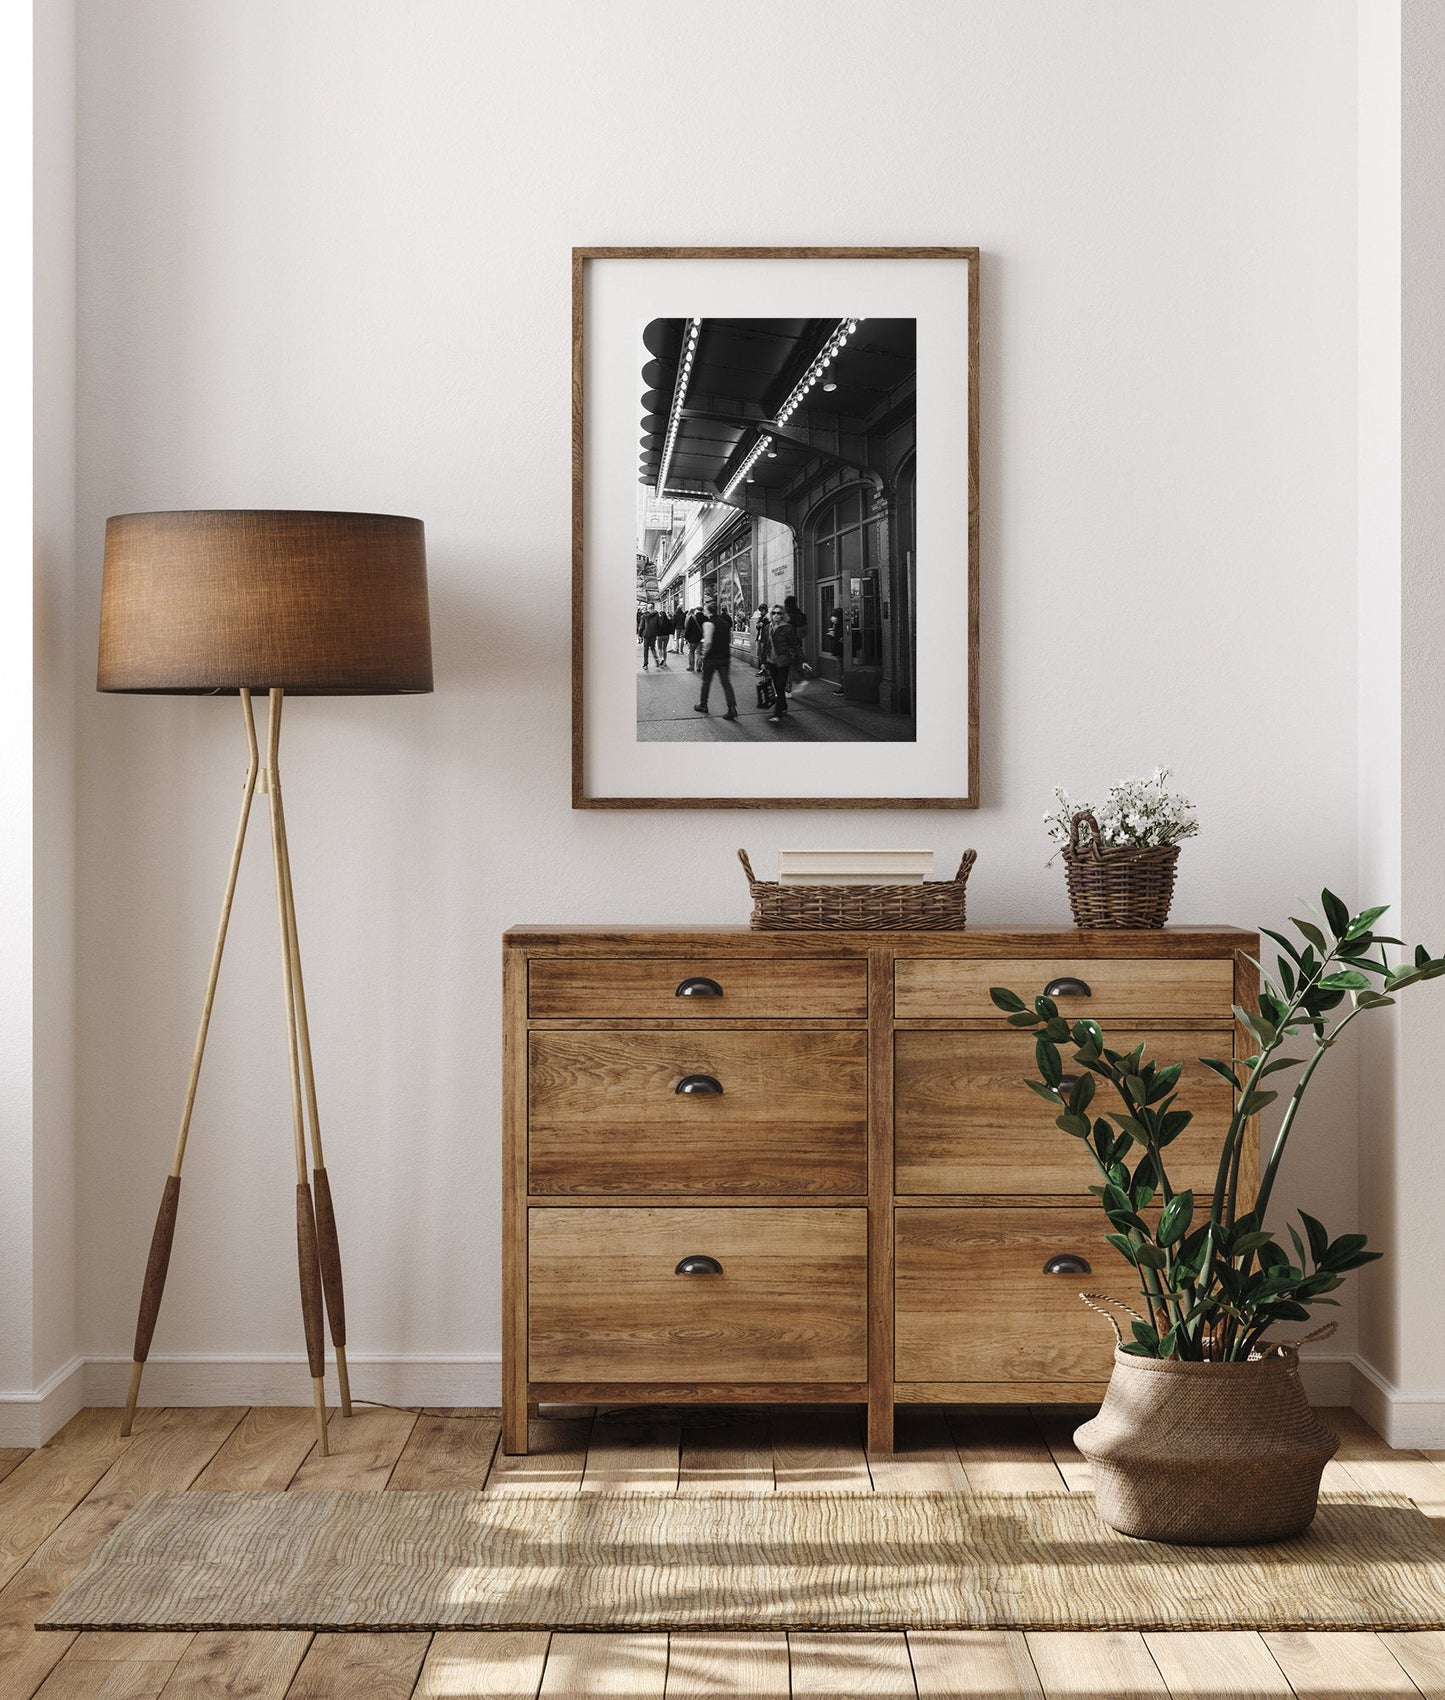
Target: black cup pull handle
[(1068, 1263), (698, 1264), (699, 986), (1068, 986), (705, 1085)]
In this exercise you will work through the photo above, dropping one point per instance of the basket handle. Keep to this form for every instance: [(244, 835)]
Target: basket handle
[(1095, 843), (969, 858), (1105, 1299), (747, 867), (1278, 1348)]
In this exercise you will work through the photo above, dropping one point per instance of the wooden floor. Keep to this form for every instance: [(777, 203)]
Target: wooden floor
[(58, 1502)]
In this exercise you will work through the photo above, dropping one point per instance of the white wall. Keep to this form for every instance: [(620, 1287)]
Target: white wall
[(324, 262)]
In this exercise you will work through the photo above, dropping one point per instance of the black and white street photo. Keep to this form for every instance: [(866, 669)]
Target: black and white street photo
[(776, 506)]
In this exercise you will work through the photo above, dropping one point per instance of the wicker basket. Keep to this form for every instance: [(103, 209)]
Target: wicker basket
[(934, 906), (1117, 887)]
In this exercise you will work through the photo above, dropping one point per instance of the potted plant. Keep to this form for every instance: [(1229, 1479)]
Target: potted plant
[(1119, 857), (1205, 1435)]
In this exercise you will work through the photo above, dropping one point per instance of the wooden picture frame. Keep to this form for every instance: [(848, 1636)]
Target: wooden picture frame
[(921, 720)]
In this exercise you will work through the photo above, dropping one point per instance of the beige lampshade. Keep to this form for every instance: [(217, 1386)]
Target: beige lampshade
[(217, 600)]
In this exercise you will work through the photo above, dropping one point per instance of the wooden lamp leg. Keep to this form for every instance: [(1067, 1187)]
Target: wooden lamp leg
[(159, 1259), (328, 1245), (306, 1248)]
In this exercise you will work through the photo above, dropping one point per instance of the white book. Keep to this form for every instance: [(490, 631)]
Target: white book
[(850, 879)]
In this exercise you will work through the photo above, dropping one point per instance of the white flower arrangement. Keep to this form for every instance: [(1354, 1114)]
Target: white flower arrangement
[(1137, 814)]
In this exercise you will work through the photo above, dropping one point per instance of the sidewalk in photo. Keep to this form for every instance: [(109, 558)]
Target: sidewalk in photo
[(816, 712)]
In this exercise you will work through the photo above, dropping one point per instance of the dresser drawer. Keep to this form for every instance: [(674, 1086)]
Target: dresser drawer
[(1156, 989), (966, 1123), (971, 1301), (605, 1302), (605, 1114), (695, 988)]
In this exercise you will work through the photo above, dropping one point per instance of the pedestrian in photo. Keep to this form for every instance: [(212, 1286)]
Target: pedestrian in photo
[(692, 634), (798, 620), (717, 654), (652, 638), (835, 641), (784, 649)]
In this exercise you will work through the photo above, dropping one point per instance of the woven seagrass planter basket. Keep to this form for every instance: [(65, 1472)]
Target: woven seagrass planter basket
[(1207, 1454), (934, 906), (1114, 886)]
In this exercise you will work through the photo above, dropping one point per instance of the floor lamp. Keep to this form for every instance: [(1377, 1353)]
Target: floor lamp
[(245, 602)]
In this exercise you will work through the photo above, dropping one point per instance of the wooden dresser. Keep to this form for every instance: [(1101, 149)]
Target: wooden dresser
[(773, 1167)]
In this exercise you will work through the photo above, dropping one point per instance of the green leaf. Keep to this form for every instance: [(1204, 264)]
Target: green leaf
[(1345, 980), (1262, 1029), (1082, 1094), (1365, 920), (1299, 1246), (1123, 1245), (1046, 1055), (1276, 1063), (1253, 1102), (1009, 1002), (1175, 1218), (1319, 1239), (1336, 913), (1046, 1007), (1078, 1126), (1023, 1020), (1047, 1093), (1146, 1334), (1311, 932), (1246, 1243), (1151, 1256), (1282, 941), (1224, 1070), (1089, 1034)]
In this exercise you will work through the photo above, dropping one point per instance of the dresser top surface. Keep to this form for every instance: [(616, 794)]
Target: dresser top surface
[(981, 941)]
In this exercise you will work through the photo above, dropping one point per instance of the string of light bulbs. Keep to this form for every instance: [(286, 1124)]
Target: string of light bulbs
[(679, 393), (814, 375)]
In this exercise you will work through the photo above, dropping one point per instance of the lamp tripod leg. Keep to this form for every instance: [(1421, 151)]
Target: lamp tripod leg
[(328, 1243), (158, 1261), (308, 1261)]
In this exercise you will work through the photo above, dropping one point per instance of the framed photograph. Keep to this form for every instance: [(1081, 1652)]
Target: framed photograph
[(774, 528)]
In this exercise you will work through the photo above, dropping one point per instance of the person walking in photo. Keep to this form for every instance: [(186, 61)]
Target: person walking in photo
[(784, 649), (717, 654), (654, 641), (798, 620), (692, 634)]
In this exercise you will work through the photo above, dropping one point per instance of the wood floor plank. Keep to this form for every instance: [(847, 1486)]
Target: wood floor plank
[(819, 1448), (631, 1667), (983, 1664), (447, 1453), (750, 1667), (1348, 1665), (1094, 1665), (554, 1463), (1228, 1664), (10, 1456), (828, 1667), (264, 1451), (735, 1457), (1404, 1472), (633, 1457), (924, 1458), (102, 1665), (45, 1487), (495, 1664), (1003, 1451), (1056, 1423), (1421, 1655), (238, 1664), (1357, 1439), (364, 1451), (168, 1450), (358, 1666)]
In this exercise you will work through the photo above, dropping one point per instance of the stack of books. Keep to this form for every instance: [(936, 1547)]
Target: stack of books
[(854, 867)]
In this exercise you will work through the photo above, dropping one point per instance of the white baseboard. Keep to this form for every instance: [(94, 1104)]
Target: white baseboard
[(29, 1419)]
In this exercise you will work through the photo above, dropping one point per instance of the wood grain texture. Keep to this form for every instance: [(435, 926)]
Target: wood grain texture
[(1421, 1656), (1345, 1665), (819, 1449), (629, 1667), (826, 1667), (646, 986), (1227, 1665), (554, 1462), (1149, 987), (10, 1456), (446, 1452), (1003, 1452), (360, 1667), (101, 1665), (157, 1262), (727, 1457), (727, 1667), (965, 1122), (604, 1298), (514, 1201), (604, 1114), (1018, 940), (981, 1664), (232, 1664), (881, 1093), (264, 1451), (632, 1457), (491, 1665), (922, 1459), (1097, 1665), (46, 1486), (973, 1302), (581, 259), (364, 1451)]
